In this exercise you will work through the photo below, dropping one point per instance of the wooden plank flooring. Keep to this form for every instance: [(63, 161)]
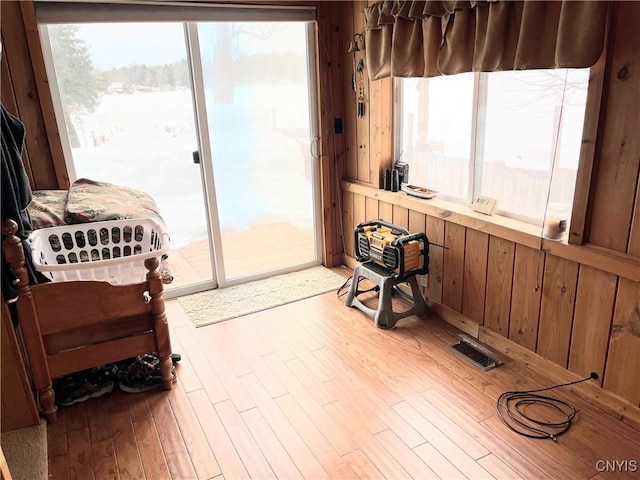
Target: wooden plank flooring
[(313, 390)]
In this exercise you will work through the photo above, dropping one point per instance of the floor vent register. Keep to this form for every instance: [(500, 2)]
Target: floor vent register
[(476, 353)]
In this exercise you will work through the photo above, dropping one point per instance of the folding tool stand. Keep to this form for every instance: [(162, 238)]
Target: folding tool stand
[(384, 317)]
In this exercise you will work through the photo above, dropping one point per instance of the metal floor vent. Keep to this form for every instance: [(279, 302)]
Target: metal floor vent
[(475, 353)]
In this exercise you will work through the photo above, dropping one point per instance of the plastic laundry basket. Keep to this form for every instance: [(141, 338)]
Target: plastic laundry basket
[(112, 251)]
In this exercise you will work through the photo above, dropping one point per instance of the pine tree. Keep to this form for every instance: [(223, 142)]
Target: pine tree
[(79, 83)]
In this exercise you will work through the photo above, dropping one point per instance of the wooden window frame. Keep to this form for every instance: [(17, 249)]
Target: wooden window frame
[(589, 152)]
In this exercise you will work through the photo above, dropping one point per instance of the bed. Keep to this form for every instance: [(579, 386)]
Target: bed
[(70, 326)]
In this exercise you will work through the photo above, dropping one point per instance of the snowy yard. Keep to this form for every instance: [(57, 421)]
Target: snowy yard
[(146, 140)]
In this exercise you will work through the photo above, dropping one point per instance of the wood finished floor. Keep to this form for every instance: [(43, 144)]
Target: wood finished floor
[(314, 390)]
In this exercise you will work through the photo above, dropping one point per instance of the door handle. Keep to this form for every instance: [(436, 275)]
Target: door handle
[(315, 152), (196, 156)]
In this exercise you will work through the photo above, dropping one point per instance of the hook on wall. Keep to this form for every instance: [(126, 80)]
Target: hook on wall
[(357, 78), (353, 44)]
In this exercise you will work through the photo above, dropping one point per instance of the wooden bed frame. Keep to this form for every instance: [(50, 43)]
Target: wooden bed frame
[(72, 326)]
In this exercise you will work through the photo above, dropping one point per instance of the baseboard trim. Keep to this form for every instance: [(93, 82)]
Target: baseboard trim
[(454, 318)]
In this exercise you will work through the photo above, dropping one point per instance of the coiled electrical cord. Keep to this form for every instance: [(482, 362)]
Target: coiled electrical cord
[(511, 406)]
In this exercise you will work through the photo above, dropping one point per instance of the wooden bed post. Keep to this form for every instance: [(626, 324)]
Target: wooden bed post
[(161, 325), (14, 254)]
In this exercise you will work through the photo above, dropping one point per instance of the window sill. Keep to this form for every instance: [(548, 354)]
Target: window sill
[(523, 233), (496, 225)]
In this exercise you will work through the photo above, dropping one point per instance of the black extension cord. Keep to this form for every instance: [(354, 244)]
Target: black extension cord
[(513, 403), (346, 283)]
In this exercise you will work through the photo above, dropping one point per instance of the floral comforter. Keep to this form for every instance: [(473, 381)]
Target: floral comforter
[(91, 201)]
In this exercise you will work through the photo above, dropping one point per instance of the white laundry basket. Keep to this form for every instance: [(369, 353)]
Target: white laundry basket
[(112, 251)]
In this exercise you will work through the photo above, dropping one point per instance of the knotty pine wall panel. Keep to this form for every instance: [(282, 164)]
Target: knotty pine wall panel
[(618, 166), (369, 138), (359, 210), (380, 116), (435, 233), (400, 216), (350, 133), (525, 296), (499, 284), (348, 223), (332, 159), (29, 97), (556, 310), (592, 321), (385, 211), (475, 274), (621, 372), (365, 151), (453, 267), (417, 222), (371, 209), (9, 102)]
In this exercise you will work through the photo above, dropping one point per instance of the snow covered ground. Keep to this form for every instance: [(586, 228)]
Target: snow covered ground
[(259, 148)]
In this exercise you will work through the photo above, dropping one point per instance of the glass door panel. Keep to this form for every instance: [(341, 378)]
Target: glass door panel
[(126, 96), (258, 107)]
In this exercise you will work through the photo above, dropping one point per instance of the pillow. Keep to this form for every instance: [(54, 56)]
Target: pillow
[(91, 201), (47, 208)]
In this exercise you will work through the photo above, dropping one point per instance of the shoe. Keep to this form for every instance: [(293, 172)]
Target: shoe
[(151, 358), (143, 375), (82, 386)]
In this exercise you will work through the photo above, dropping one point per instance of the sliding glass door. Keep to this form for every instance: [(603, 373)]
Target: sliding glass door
[(126, 100), (256, 93), (215, 120)]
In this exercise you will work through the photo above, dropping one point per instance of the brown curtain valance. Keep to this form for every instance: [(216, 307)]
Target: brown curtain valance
[(444, 37)]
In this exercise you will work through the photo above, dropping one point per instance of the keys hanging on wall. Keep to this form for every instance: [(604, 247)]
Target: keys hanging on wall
[(361, 98), (361, 106)]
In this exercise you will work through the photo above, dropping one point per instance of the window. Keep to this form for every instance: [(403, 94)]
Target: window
[(514, 136)]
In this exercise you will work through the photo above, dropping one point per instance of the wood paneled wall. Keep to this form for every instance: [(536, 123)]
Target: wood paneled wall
[(575, 306), (330, 67), (372, 151), (25, 93), (579, 317), (615, 214)]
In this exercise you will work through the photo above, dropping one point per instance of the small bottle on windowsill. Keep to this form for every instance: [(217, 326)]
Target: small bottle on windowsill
[(556, 221)]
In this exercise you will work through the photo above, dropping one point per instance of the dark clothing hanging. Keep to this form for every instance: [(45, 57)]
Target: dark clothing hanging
[(16, 193)]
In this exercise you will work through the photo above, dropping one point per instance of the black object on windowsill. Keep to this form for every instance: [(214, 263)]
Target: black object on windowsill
[(392, 180), (387, 179)]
